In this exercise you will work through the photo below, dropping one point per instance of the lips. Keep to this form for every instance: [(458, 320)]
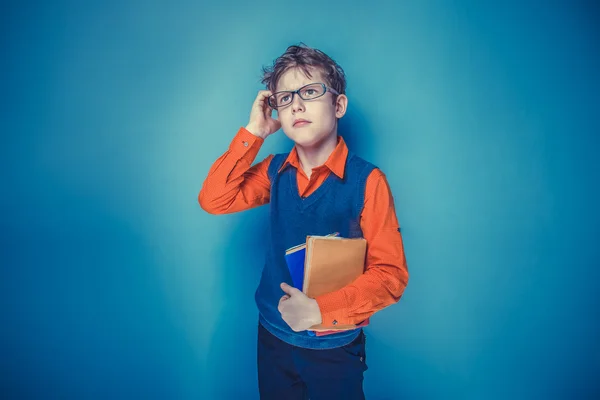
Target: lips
[(301, 122)]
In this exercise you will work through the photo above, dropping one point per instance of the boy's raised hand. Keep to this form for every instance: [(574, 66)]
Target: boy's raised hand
[(261, 123)]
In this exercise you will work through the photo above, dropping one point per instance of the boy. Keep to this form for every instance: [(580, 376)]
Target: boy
[(318, 188)]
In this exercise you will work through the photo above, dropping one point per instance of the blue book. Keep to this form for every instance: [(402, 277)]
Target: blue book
[(294, 257)]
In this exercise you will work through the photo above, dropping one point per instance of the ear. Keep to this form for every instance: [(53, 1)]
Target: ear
[(341, 103)]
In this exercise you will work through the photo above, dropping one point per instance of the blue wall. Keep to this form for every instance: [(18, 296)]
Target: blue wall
[(484, 117)]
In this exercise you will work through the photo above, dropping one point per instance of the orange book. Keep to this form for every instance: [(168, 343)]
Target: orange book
[(330, 264)]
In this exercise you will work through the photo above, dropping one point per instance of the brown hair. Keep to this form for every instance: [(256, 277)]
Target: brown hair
[(304, 57)]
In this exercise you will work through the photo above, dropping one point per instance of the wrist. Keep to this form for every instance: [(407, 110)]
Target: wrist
[(316, 312), (256, 132)]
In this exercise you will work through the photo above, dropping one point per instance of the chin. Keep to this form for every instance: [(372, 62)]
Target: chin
[(308, 141), (306, 138)]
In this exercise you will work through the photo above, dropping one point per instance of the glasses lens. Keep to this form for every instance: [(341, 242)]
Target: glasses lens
[(282, 98), (312, 91)]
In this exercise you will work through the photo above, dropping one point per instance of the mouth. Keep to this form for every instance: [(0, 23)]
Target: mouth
[(301, 122)]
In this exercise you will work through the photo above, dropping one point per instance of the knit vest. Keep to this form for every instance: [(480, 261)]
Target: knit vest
[(335, 206)]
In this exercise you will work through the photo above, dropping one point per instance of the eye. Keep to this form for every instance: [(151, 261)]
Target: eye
[(284, 98), (311, 92)]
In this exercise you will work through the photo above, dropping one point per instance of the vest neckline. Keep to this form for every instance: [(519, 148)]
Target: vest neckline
[(304, 202)]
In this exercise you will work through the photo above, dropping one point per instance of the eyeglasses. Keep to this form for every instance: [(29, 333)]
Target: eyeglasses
[(309, 92)]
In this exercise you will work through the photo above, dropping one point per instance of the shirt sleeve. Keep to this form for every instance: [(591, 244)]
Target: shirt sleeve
[(386, 273), (234, 185)]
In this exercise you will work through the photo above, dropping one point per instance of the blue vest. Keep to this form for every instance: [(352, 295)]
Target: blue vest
[(334, 207)]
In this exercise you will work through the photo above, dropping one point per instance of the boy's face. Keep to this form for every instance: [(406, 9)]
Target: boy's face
[(321, 113)]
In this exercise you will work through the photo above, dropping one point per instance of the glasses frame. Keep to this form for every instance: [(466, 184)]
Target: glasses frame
[(293, 92)]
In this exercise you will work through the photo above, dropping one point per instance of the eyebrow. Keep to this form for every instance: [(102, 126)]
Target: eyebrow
[(290, 90)]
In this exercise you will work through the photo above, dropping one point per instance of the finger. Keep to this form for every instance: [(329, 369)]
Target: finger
[(260, 102), (267, 105), (281, 301), (263, 95), (264, 106), (289, 289), (269, 111), (261, 98)]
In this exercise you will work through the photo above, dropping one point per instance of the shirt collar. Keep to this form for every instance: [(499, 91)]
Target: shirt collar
[(336, 161)]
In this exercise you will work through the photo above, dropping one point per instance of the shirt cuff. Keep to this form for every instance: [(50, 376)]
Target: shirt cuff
[(334, 308), (244, 141)]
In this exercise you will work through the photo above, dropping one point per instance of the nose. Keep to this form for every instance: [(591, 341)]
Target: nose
[(297, 103)]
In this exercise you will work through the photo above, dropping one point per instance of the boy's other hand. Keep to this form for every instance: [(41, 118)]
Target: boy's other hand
[(261, 123), (297, 310)]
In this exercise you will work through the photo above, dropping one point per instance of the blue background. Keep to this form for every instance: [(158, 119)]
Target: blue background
[(484, 117)]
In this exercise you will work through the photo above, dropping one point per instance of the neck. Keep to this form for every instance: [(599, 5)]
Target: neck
[(313, 156)]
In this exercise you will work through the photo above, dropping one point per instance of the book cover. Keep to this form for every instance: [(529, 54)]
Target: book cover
[(332, 263), (295, 259)]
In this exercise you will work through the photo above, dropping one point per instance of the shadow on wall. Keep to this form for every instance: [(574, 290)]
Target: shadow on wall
[(358, 134), (231, 356)]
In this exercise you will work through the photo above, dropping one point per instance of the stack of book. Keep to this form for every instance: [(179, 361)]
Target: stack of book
[(323, 265)]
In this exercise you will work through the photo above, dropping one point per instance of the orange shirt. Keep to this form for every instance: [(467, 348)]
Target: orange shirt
[(234, 185)]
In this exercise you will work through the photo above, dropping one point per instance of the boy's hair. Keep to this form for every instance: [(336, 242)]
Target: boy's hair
[(305, 58)]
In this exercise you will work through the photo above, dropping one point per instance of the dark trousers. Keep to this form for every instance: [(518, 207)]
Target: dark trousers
[(288, 372)]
